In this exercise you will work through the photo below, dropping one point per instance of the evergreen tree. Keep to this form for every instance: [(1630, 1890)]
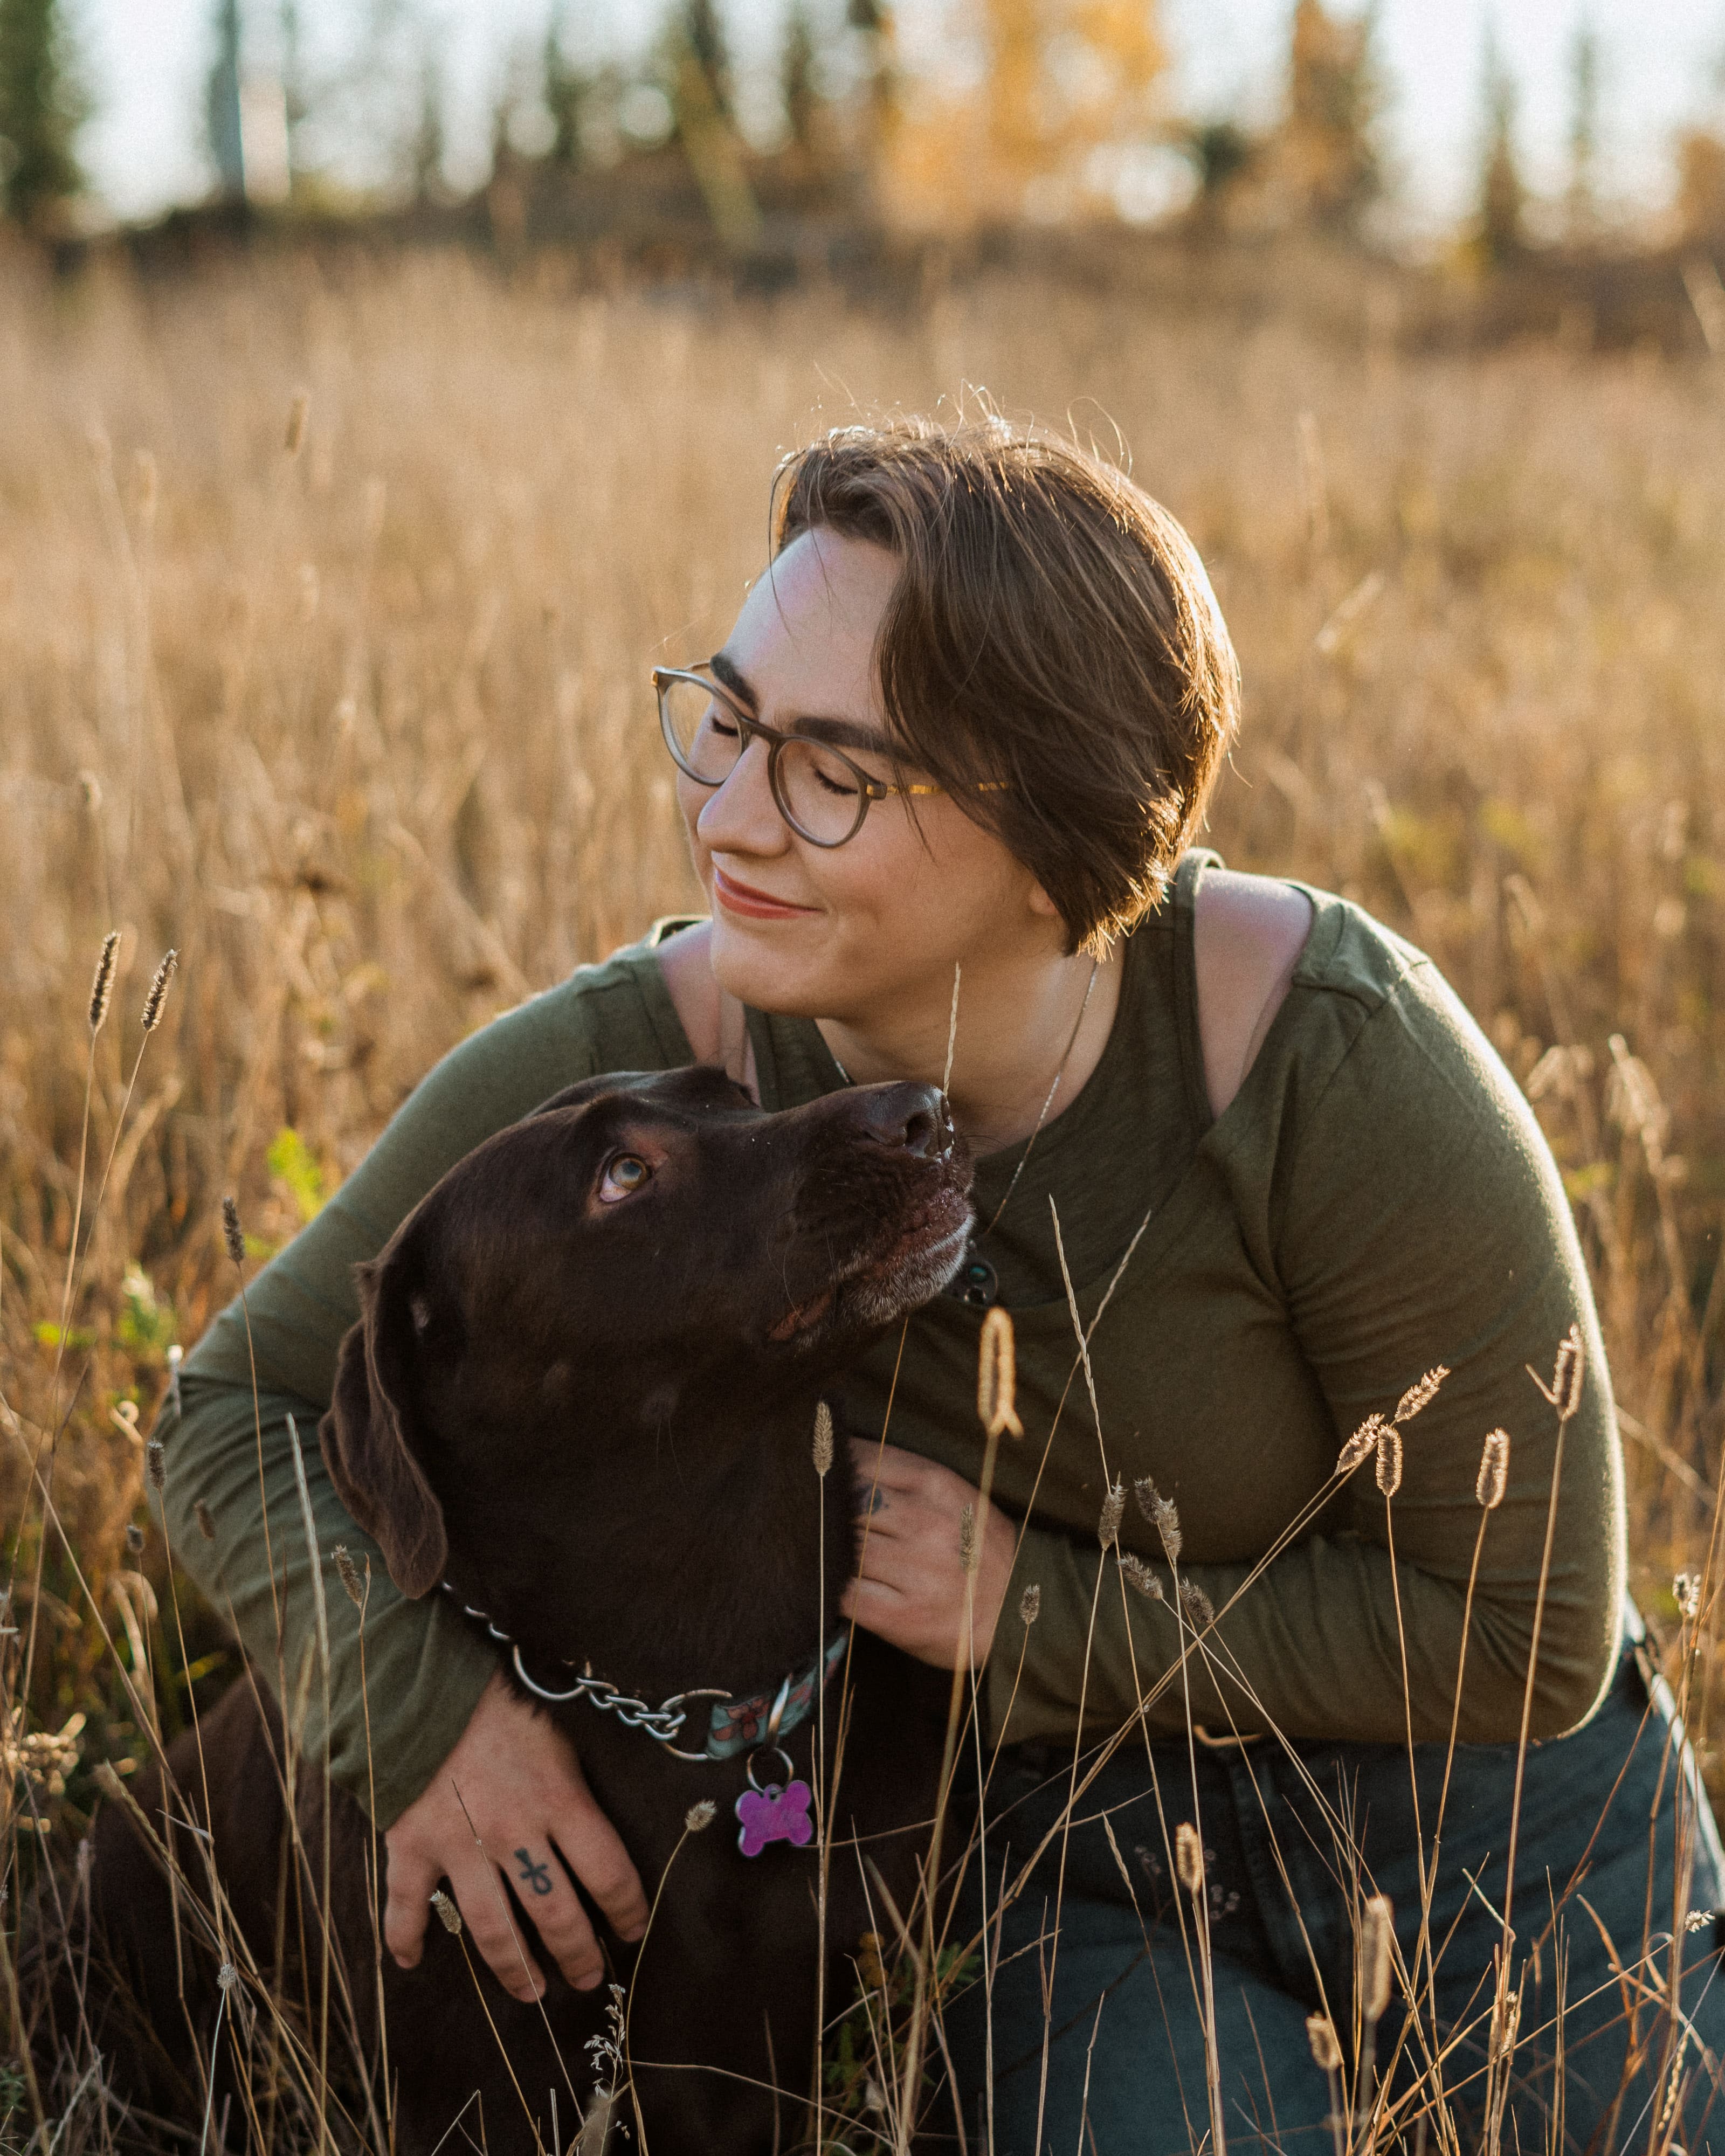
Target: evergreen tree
[(696, 67), (41, 107), (221, 104), (1503, 196), (1583, 126), (872, 21), (796, 74), (296, 95), (1221, 153), (429, 140), (1330, 140), (703, 34), (564, 89)]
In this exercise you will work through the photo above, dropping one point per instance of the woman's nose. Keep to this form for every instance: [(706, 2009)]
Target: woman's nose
[(740, 816)]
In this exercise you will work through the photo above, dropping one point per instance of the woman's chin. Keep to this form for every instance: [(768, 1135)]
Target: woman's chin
[(758, 962)]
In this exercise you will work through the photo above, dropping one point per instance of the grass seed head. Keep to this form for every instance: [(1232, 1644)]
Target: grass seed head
[(1139, 1575), (1320, 2034), (1568, 1371), (448, 1915), (1505, 2018), (1576, 1373), (1030, 1606), (967, 1540), (1200, 1610), (1376, 1938), (206, 1521), (155, 1464), (997, 1376), (1420, 1395), (1360, 1447), (1189, 1858), (700, 1816), (1389, 1460), (102, 988), (1163, 1514), (347, 1572), (231, 1232), (1108, 1523), (822, 1437), (1494, 1470), (158, 990)]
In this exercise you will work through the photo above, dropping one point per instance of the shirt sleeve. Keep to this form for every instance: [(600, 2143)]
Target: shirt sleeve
[(232, 1451), (1414, 1217)]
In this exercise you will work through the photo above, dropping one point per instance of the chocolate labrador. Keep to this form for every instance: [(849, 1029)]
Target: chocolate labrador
[(580, 1402)]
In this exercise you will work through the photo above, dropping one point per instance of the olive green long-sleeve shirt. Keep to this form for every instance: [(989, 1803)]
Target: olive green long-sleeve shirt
[(1376, 1201)]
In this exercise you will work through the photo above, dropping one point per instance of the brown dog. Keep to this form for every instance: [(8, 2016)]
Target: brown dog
[(581, 1401)]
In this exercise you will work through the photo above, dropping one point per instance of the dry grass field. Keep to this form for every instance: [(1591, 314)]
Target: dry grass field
[(326, 604)]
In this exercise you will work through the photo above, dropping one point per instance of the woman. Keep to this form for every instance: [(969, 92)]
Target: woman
[(965, 731)]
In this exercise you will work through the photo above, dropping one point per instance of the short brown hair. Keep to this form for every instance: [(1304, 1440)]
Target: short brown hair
[(1053, 631)]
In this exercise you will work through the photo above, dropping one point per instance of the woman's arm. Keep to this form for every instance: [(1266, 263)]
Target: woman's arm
[(426, 1670), (1416, 1219)]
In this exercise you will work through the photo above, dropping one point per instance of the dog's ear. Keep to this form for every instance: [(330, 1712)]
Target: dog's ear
[(369, 1442)]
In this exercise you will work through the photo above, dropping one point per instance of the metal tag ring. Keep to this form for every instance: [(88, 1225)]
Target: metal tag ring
[(768, 1752)]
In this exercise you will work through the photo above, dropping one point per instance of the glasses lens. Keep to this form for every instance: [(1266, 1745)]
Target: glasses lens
[(820, 792), (703, 731)]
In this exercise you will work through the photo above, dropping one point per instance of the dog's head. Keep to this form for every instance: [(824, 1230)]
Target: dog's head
[(639, 1244)]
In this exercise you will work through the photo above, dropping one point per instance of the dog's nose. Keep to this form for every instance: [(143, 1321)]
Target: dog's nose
[(910, 1118)]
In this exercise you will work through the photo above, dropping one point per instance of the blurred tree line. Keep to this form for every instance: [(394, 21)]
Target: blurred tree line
[(1051, 111)]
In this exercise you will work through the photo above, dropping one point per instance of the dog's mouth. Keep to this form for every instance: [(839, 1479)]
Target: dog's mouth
[(893, 1274)]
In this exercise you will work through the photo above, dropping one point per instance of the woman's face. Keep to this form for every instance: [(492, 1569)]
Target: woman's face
[(875, 925)]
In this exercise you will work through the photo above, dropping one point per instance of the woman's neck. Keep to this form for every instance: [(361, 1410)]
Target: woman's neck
[(1019, 1022), (1016, 1016)]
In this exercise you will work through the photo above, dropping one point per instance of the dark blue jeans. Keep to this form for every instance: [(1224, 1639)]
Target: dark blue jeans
[(1616, 1843)]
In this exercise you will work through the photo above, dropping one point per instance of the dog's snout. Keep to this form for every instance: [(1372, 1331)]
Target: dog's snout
[(908, 1118)]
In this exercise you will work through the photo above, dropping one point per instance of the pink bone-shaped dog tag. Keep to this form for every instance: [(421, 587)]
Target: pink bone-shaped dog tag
[(774, 1814)]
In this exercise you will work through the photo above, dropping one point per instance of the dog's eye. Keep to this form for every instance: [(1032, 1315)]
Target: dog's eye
[(623, 1176)]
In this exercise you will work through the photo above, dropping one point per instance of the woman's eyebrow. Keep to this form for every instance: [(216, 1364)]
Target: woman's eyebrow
[(728, 672), (842, 733)]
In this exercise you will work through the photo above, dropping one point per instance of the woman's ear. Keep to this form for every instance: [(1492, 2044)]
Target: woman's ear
[(370, 1445)]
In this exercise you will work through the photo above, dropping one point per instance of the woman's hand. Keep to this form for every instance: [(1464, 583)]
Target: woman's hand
[(525, 1800), (910, 1587)]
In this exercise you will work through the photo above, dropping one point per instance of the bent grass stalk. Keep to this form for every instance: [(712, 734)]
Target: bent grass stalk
[(1112, 1507), (450, 1918), (698, 1817)]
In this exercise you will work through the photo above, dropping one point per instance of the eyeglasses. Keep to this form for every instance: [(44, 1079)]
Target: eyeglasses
[(820, 792)]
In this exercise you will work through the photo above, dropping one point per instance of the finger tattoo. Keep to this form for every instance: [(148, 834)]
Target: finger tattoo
[(536, 1875)]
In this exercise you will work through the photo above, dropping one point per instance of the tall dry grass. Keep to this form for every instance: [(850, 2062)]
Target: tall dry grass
[(327, 599)]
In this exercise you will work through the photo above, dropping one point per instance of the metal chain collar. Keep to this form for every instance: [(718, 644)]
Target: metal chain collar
[(664, 1722)]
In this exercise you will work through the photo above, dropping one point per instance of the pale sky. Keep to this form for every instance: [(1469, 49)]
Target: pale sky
[(1664, 65)]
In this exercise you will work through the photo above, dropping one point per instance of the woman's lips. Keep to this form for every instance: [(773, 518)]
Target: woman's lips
[(755, 904)]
